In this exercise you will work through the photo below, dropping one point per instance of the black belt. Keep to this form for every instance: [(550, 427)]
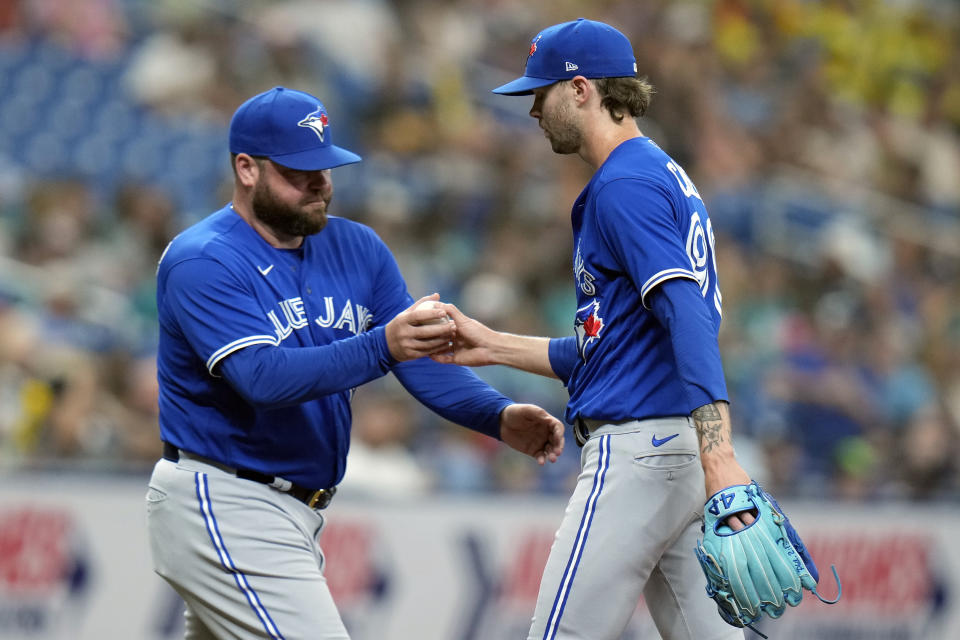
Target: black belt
[(583, 427), (313, 498)]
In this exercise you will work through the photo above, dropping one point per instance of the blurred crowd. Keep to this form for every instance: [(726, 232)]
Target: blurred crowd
[(823, 135)]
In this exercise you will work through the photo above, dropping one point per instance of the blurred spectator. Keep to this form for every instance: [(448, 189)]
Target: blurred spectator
[(929, 446), (172, 71), (380, 463), (94, 28), (24, 399), (50, 393)]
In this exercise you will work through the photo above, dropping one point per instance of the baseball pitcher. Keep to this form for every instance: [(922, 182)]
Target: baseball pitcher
[(648, 399)]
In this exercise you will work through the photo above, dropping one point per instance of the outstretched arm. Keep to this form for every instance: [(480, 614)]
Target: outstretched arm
[(477, 345)]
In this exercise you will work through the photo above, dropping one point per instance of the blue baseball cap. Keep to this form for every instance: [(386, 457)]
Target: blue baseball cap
[(289, 127), (580, 48)]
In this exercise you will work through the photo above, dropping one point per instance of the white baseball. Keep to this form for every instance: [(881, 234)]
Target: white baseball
[(431, 304)]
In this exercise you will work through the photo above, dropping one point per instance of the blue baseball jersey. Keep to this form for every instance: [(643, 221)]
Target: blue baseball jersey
[(222, 288), (638, 223)]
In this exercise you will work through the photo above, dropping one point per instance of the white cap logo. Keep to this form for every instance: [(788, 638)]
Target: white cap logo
[(316, 121), (571, 66)]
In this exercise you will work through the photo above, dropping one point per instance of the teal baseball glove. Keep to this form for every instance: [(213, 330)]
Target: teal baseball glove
[(759, 569)]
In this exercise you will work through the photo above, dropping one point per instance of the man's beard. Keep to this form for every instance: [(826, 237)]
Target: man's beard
[(564, 136), (283, 218)]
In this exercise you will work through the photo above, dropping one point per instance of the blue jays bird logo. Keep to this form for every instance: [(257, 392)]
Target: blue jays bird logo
[(587, 325), (533, 45), (317, 121)]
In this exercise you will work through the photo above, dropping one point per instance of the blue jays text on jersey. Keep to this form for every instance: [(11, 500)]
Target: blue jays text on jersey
[(295, 316), (222, 288), (638, 223)]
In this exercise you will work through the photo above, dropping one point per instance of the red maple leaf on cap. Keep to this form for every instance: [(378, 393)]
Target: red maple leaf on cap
[(533, 45)]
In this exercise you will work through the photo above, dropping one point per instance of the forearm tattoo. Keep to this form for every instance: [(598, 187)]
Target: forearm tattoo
[(709, 426)]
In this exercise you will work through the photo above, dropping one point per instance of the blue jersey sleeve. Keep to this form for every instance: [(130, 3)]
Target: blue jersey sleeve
[(267, 376), (563, 357), (679, 306), (390, 295), (213, 311), (639, 226), (455, 393)]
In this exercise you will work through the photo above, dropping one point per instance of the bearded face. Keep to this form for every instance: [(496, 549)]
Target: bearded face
[(565, 137), (306, 216), (557, 119)]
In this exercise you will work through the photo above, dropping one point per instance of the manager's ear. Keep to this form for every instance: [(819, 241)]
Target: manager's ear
[(247, 169)]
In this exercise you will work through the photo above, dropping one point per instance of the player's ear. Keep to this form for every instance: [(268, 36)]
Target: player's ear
[(582, 88), (247, 169)]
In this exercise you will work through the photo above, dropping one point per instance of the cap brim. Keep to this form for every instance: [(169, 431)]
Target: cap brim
[(523, 86), (317, 159)]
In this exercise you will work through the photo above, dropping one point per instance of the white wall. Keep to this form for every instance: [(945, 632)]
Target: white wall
[(74, 564)]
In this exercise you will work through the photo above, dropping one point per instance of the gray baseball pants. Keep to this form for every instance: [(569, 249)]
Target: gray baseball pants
[(630, 529), (245, 557)]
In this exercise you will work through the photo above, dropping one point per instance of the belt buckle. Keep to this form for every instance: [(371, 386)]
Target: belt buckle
[(321, 498)]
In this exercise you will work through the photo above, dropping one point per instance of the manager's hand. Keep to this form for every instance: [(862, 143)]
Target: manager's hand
[(531, 430), (414, 333)]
